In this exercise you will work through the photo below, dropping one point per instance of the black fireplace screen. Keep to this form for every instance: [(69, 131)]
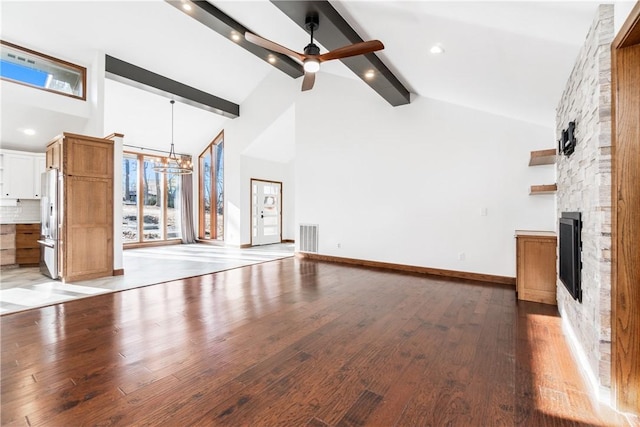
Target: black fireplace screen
[(570, 228)]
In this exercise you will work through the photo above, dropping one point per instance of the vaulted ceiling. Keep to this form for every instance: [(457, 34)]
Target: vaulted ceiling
[(508, 58)]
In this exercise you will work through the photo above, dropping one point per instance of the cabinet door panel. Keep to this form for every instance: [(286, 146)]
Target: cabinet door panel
[(18, 176), (88, 158), (88, 228), (536, 269), (54, 151), (39, 166)]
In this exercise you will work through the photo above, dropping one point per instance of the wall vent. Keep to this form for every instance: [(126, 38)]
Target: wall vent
[(309, 238)]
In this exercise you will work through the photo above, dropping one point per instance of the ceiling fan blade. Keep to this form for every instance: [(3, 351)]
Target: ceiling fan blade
[(308, 81), (268, 44), (352, 50)]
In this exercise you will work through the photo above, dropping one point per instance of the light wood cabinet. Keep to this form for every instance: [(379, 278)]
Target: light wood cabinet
[(7, 244), (54, 154), (86, 231), (536, 266)]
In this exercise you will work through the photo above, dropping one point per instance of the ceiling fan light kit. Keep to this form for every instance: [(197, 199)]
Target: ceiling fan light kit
[(311, 58), (311, 65)]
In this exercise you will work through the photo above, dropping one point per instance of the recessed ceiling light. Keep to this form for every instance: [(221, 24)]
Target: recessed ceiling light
[(436, 49), (369, 74), (271, 59), (186, 6), (29, 132), (235, 37)]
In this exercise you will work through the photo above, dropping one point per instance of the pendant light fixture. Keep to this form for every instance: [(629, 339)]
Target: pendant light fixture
[(174, 164)]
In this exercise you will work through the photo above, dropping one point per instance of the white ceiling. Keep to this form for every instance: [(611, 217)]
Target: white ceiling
[(509, 58)]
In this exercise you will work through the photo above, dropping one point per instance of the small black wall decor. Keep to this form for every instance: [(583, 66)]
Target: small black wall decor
[(567, 142)]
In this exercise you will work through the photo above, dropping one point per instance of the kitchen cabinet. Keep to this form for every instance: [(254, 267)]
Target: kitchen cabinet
[(27, 248), (85, 240), (21, 174), (536, 266), (39, 166), (7, 244), (53, 156)]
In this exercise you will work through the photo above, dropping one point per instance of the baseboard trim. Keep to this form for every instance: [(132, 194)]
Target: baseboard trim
[(211, 242), (246, 245), (151, 244), (287, 241), (477, 277), (118, 272)]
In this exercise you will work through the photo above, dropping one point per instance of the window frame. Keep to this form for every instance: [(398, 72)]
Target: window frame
[(210, 149), (64, 64), (164, 240)]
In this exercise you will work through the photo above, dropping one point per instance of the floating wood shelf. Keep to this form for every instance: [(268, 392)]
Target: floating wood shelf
[(543, 189), (543, 157)]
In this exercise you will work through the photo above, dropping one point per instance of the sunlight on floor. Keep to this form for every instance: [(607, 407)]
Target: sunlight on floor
[(25, 288), (552, 397)]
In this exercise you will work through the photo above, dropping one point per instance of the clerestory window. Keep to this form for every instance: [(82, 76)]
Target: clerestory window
[(27, 67)]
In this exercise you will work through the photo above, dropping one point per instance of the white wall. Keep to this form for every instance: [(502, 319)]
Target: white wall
[(266, 104), (621, 10), (407, 184)]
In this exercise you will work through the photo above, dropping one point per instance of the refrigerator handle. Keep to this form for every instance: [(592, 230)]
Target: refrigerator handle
[(47, 244)]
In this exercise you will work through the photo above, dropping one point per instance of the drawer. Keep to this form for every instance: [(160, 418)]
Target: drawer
[(27, 240), (7, 229), (7, 256), (28, 256), (7, 241), (28, 228)]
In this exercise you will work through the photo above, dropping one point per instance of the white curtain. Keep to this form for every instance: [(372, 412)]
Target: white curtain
[(186, 209)]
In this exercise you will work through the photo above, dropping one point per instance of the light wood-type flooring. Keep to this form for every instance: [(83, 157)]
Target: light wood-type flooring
[(295, 343)]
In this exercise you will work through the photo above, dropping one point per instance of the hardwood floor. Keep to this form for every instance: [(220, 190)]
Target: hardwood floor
[(294, 343)]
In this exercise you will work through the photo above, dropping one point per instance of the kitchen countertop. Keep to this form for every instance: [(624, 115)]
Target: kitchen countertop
[(19, 222)]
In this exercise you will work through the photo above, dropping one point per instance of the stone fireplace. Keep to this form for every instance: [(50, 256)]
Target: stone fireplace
[(584, 185)]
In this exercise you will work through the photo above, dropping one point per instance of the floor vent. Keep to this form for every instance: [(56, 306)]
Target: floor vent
[(309, 238)]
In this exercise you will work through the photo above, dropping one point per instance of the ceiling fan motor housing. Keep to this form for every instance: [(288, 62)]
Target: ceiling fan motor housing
[(312, 49)]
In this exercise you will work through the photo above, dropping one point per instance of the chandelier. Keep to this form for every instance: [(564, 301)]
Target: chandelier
[(174, 164)]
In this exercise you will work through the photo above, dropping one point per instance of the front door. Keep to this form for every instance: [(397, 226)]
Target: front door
[(266, 212)]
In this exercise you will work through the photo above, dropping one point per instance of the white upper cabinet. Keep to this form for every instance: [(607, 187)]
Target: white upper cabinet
[(21, 174)]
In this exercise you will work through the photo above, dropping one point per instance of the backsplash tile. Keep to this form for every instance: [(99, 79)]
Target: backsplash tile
[(25, 211)]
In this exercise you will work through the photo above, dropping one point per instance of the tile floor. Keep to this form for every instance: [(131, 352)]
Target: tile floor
[(25, 288)]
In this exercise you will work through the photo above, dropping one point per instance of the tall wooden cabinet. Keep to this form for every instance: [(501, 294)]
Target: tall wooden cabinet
[(536, 266), (86, 218)]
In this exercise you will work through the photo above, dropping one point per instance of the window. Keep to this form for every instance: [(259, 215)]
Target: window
[(34, 69), (150, 196), (211, 198), (129, 198)]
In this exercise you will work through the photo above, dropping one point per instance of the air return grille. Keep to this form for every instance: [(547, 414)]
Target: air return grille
[(309, 238)]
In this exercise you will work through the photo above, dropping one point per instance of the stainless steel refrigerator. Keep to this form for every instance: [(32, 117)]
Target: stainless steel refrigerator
[(49, 223)]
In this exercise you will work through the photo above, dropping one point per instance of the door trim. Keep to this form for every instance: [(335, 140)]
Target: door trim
[(625, 268), (251, 205)]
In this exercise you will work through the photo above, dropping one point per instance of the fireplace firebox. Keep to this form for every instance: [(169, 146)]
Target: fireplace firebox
[(570, 229)]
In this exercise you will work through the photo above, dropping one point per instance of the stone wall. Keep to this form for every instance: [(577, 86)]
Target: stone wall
[(584, 185)]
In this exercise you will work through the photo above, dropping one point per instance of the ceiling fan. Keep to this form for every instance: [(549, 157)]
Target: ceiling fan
[(311, 58)]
